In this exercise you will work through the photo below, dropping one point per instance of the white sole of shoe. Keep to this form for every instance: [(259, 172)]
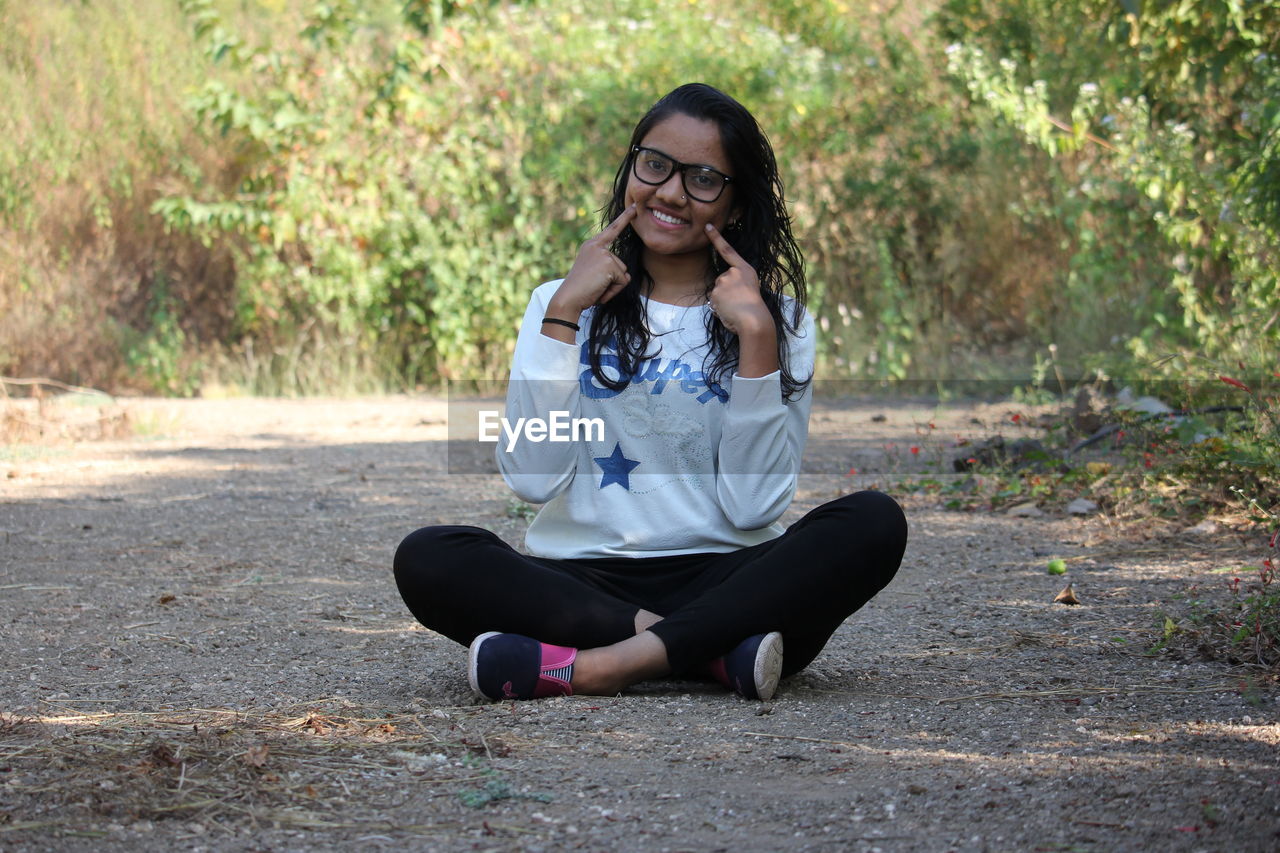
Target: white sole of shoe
[(473, 658), (768, 668)]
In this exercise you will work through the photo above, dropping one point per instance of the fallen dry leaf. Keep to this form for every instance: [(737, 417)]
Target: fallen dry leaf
[(318, 724), (1067, 596), (161, 754), (256, 756)]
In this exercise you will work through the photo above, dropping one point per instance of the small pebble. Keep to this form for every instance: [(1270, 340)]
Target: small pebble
[(1081, 506)]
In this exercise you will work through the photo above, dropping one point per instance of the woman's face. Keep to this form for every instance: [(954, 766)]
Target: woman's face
[(668, 221)]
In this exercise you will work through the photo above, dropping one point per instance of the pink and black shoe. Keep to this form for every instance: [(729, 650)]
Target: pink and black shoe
[(753, 668), (510, 666)]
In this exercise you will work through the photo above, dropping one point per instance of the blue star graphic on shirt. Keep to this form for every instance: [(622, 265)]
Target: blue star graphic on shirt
[(616, 467)]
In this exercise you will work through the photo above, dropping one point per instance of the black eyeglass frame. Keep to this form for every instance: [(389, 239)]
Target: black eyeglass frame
[(677, 166)]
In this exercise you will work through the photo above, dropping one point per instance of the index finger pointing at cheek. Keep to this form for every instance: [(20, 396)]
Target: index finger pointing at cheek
[(722, 246), (616, 226)]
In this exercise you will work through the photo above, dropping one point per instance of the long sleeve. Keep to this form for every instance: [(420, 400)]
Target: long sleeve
[(763, 438), (543, 381)]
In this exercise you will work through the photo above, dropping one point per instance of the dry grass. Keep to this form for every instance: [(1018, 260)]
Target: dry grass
[(93, 129), (317, 766), (79, 414)]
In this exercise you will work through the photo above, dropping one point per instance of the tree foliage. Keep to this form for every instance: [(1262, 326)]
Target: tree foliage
[(1165, 116), (363, 197)]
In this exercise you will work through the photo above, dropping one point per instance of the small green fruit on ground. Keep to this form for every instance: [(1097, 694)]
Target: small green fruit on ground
[(1057, 567)]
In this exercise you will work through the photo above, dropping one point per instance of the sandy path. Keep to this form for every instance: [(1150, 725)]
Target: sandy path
[(204, 650)]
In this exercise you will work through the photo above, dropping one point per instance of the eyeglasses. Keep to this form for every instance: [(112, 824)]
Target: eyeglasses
[(700, 182)]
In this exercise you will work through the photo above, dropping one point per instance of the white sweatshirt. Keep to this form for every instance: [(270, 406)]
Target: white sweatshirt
[(681, 467)]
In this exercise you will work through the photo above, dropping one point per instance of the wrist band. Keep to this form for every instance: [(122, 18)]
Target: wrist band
[(560, 322)]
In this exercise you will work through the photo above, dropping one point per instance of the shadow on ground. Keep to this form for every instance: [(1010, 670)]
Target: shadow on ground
[(207, 651)]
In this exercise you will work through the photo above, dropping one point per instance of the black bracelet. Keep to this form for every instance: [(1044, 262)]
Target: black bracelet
[(560, 322)]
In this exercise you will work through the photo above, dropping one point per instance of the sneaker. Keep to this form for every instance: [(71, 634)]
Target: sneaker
[(753, 668), (509, 666)]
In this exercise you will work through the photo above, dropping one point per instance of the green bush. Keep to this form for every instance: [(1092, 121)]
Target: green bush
[(1165, 122), (361, 196), (394, 214)]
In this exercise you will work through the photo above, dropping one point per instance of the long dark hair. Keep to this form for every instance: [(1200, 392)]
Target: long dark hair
[(762, 236)]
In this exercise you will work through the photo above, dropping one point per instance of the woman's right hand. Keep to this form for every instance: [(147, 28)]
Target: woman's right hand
[(597, 274)]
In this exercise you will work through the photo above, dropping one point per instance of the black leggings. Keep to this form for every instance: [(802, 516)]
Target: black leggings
[(462, 581)]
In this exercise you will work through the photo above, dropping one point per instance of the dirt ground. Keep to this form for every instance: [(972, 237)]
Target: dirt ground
[(204, 650)]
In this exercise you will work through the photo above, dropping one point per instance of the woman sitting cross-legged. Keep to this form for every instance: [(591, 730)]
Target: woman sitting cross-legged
[(681, 327)]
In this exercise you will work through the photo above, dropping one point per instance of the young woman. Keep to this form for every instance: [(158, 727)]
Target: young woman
[(657, 549)]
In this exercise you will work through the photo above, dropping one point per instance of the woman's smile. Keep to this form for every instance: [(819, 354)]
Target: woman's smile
[(667, 219)]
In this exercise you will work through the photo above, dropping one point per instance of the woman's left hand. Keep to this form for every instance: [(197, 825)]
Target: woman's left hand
[(735, 296)]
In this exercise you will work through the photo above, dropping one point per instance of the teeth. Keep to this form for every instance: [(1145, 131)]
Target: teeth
[(662, 217)]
